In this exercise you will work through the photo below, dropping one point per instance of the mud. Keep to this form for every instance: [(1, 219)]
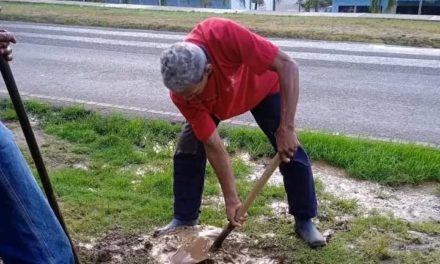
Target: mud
[(117, 247), (420, 242), (411, 203), (56, 153)]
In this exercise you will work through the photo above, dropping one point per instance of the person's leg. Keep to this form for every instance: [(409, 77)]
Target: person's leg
[(189, 176), (297, 174), (29, 230)]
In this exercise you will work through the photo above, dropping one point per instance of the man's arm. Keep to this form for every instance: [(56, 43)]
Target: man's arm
[(287, 69), (221, 162)]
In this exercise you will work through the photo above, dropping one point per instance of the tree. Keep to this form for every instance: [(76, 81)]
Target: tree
[(375, 6), (205, 3), (257, 3), (309, 4)]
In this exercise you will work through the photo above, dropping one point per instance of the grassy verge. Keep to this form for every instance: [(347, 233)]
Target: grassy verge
[(384, 162), (389, 31), (111, 139), (114, 173)]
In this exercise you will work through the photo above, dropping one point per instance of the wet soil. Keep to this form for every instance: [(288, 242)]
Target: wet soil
[(56, 153), (411, 203), (117, 247)]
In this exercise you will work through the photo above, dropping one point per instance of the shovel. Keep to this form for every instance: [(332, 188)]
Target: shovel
[(274, 163), (197, 249)]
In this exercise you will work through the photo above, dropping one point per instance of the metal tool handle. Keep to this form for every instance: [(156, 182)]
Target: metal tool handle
[(32, 144), (274, 163)]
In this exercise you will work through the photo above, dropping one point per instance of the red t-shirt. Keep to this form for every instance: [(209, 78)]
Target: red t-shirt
[(240, 79)]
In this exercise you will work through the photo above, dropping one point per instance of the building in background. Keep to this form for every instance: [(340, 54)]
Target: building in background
[(221, 4), (423, 7)]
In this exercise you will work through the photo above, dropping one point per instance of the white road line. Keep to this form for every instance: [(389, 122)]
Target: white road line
[(121, 107), (376, 60), (355, 47), (132, 43), (358, 47), (176, 36), (178, 115), (93, 103)]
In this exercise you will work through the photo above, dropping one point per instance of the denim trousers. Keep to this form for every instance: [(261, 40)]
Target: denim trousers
[(190, 162), (29, 230)]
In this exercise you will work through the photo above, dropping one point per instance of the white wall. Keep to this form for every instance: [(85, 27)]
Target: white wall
[(237, 5)]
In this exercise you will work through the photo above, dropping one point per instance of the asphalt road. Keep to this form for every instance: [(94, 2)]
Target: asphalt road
[(356, 89)]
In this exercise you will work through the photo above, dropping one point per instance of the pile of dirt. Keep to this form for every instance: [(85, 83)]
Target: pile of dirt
[(117, 247)]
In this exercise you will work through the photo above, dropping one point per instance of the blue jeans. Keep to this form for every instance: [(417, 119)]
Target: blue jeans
[(29, 230), (190, 163)]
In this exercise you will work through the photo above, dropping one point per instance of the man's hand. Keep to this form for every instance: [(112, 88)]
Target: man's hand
[(5, 39), (231, 213), (287, 143)]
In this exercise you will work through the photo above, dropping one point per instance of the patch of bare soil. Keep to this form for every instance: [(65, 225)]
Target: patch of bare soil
[(19, 136), (56, 153), (116, 247), (419, 241), (410, 203)]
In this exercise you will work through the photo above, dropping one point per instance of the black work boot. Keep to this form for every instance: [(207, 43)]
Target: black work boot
[(308, 232), (173, 226)]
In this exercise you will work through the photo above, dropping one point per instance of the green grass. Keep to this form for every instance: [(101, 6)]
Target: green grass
[(389, 31), (127, 185), (119, 141), (373, 160), (100, 199), (385, 162), (7, 112)]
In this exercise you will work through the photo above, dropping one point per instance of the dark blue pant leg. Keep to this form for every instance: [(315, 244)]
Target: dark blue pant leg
[(297, 175), (189, 175)]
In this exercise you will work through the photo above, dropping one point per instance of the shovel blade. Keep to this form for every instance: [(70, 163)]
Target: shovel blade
[(194, 250)]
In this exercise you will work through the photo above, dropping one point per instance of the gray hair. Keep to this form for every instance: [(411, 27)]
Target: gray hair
[(182, 64)]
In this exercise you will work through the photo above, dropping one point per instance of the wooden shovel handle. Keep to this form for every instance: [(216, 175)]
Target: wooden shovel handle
[(274, 163)]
